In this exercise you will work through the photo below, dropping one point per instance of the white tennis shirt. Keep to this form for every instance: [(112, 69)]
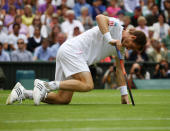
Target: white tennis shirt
[(91, 44)]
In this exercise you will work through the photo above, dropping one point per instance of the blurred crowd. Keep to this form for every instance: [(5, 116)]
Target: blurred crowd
[(33, 30)]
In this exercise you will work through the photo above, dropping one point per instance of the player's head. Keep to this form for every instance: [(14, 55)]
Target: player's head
[(135, 40)]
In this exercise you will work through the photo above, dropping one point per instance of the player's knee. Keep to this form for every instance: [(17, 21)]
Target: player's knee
[(89, 87)]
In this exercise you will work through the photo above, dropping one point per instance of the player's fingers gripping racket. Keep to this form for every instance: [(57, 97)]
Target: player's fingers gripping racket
[(125, 76)]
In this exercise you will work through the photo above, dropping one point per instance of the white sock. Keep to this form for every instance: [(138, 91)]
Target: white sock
[(123, 90), (54, 85), (28, 94)]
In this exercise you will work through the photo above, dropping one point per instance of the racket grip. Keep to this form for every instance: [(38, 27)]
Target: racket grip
[(119, 54)]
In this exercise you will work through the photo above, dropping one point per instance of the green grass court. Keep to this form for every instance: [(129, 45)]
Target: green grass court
[(98, 110)]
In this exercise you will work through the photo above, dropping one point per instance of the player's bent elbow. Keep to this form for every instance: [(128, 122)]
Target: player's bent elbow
[(98, 17)]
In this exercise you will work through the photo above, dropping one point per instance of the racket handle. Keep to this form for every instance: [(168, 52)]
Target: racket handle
[(119, 54)]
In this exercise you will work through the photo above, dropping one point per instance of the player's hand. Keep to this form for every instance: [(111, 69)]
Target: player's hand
[(124, 99), (116, 43)]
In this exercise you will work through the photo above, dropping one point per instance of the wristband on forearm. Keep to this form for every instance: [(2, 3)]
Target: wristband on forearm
[(123, 90), (107, 37)]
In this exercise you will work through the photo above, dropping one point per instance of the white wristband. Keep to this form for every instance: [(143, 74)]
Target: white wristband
[(123, 90), (107, 37)]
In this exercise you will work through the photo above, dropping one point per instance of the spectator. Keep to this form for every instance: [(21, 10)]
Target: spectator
[(167, 11), (28, 17), (136, 15), (153, 17), (37, 22), (54, 21), (127, 21), (130, 5), (136, 72), (32, 3), (161, 70), (120, 16), (23, 28), (44, 6), (69, 25), (46, 18), (13, 37), (21, 54), (76, 31), (62, 14), (9, 18), (35, 40), (4, 56), (85, 19), (109, 78), (68, 3), (166, 40), (55, 31), (142, 25), (97, 8), (3, 36), (156, 53), (160, 28), (16, 3), (79, 5), (146, 9), (43, 52), (113, 9), (138, 56), (60, 39)]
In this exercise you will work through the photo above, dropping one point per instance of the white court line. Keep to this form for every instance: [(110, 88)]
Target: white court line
[(86, 119), (94, 129)]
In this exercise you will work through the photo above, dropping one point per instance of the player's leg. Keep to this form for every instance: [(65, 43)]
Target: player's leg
[(19, 93), (61, 97), (80, 82)]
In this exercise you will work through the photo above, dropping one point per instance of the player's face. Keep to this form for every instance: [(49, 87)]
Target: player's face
[(129, 44)]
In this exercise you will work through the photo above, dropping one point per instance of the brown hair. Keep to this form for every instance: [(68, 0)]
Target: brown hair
[(140, 39)]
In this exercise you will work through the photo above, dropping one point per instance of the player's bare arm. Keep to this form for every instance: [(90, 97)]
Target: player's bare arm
[(103, 23)]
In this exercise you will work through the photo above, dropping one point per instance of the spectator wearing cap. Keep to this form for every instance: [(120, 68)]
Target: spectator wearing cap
[(43, 28), (97, 8), (44, 6), (130, 5), (28, 16), (23, 28), (85, 19), (69, 25), (136, 15), (13, 37), (160, 28), (43, 52), (35, 40), (9, 18), (4, 56), (21, 54), (79, 5), (120, 15), (113, 9), (59, 40), (142, 25), (153, 17)]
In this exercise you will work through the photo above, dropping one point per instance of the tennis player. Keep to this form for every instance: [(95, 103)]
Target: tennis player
[(74, 57)]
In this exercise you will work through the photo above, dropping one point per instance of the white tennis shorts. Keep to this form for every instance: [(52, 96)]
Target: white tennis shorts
[(69, 61)]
